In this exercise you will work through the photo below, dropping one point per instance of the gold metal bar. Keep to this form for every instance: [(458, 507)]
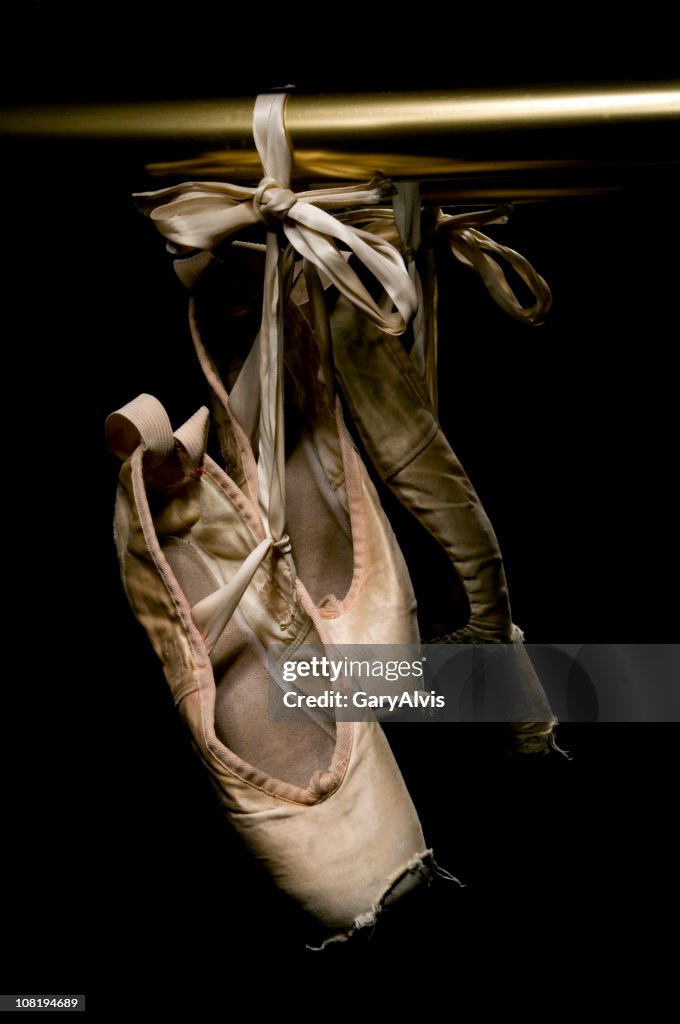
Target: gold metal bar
[(425, 116), (524, 133), (343, 121)]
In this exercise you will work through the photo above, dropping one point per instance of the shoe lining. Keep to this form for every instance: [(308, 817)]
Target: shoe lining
[(318, 525), (289, 751)]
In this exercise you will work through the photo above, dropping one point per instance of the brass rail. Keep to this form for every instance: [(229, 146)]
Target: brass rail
[(524, 142)]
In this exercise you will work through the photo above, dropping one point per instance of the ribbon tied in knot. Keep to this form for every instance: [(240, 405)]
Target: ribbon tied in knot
[(283, 545), (201, 214), (272, 202)]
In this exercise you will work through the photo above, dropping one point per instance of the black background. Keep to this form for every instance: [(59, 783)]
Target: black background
[(118, 869)]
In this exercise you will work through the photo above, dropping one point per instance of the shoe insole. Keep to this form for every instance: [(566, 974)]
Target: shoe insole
[(290, 751)]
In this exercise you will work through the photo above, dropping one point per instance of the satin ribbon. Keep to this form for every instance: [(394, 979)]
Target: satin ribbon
[(401, 227), (470, 246), (407, 219), (200, 215), (475, 249)]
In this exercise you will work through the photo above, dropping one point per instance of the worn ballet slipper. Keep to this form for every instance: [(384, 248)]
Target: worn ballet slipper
[(404, 441), (321, 804)]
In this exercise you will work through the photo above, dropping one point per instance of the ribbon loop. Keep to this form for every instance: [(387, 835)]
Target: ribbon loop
[(474, 249)]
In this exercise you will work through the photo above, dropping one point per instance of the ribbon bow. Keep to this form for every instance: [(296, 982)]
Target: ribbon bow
[(200, 215)]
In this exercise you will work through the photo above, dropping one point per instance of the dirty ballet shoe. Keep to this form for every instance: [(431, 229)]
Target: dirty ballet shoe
[(321, 804)]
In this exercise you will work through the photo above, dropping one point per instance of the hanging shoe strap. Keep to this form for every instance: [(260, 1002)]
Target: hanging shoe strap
[(192, 438), (470, 246), (406, 205), (407, 218), (143, 421), (474, 249)]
